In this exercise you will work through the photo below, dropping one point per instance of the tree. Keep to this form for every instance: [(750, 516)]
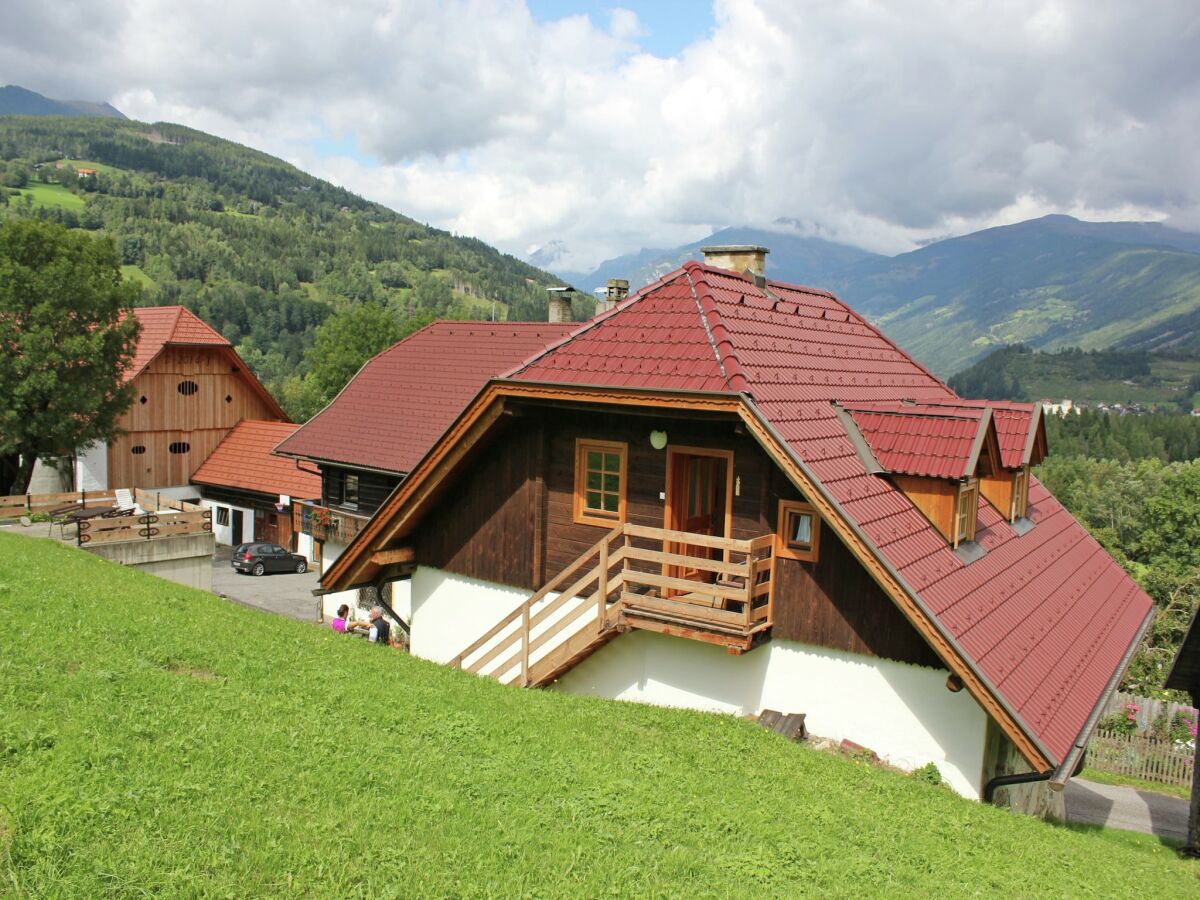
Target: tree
[(66, 339), (345, 341)]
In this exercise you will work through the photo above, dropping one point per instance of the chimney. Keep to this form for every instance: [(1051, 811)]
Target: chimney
[(560, 303), (617, 290), (738, 257)]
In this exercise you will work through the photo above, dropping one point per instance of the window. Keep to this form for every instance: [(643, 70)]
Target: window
[(350, 492), (187, 388), (600, 482), (799, 531), (223, 515), (1020, 497), (967, 513), (178, 447), (137, 449), (342, 489)]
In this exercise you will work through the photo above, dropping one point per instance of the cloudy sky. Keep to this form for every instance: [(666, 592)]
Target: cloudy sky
[(607, 128)]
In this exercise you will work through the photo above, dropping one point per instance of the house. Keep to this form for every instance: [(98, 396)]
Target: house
[(733, 494), (190, 389), (388, 416), (1185, 676), (250, 490)]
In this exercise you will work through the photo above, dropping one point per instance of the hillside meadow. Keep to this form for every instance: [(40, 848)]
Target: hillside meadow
[(159, 740)]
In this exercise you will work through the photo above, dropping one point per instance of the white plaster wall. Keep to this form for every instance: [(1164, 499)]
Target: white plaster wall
[(304, 545), (902, 712), (91, 468), (224, 533)]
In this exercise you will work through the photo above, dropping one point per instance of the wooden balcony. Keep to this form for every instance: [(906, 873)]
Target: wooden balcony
[(327, 524), (694, 586)]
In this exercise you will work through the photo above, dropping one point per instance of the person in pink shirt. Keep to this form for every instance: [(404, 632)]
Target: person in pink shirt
[(342, 624)]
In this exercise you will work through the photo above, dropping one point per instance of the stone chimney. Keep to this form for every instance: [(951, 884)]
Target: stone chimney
[(560, 303), (738, 257), (618, 290)]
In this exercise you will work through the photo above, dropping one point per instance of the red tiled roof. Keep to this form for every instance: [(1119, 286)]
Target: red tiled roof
[(402, 400), (1045, 617), (163, 325), (932, 441), (244, 460), (1014, 423)]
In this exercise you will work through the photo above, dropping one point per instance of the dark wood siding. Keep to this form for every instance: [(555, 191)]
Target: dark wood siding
[(509, 519), (834, 602), (373, 488), (483, 525)]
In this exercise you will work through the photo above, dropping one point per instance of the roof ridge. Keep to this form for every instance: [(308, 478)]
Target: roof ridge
[(717, 333)]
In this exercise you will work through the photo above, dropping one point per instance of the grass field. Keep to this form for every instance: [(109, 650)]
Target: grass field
[(135, 273), (48, 195), (158, 740)]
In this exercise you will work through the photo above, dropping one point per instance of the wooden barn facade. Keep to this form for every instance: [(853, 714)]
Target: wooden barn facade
[(191, 388)]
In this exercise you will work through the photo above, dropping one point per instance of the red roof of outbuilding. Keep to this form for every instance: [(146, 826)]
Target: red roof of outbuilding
[(243, 460), (402, 400), (163, 325), (931, 441), (1045, 616)]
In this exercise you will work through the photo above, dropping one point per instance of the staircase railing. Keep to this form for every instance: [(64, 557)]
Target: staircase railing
[(727, 593), (507, 650)]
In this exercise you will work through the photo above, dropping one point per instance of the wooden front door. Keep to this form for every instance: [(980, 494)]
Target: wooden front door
[(697, 500)]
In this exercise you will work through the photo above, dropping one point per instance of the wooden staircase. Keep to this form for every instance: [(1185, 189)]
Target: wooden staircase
[(630, 580)]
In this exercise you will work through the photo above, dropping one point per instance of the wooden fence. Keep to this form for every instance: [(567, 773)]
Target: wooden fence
[(1149, 710), (1137, 756)]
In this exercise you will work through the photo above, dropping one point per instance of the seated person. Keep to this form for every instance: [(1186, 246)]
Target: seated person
[(344, 625)]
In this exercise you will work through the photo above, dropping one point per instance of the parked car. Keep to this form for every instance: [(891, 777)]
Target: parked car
[(259, 559)]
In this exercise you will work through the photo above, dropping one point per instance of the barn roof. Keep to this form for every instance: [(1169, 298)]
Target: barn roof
[(402, 400), (168, 325), (1020, 429), (1044, 618), (244, 461)]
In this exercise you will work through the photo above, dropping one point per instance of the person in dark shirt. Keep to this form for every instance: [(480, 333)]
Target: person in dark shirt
[(381, 631)]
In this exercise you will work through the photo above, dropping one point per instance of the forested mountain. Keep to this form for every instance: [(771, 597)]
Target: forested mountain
[(1167, 380), (260, 250)]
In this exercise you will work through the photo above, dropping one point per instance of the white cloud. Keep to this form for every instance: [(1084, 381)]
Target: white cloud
[(874, 124)]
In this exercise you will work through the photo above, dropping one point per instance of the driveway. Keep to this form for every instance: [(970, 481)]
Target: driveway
[(1114, 806), (286, 594)]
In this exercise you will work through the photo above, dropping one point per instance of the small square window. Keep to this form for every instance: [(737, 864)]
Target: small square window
[(600, 482), (223, 515), (798, 531)]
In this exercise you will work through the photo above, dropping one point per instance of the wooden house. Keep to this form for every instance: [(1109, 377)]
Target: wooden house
[(251, 491), (191, 389), (386, 418), (735, 494)]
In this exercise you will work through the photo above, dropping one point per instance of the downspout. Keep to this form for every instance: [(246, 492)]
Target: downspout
[(989, 789)]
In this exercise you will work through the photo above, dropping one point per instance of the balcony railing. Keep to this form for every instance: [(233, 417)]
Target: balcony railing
[(326, 524)]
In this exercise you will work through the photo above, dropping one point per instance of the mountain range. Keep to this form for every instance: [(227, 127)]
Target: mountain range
[(1048, 283), (19, 101)]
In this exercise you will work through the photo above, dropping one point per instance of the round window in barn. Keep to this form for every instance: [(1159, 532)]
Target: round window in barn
[(187, 388), (179, 447), (137, 450)]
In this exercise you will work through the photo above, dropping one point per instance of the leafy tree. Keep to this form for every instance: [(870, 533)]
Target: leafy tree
[(344, 342), (66, 340)]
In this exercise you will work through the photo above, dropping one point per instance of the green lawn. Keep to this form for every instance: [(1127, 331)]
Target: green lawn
[(158, 740), (1140, 783), (48, 195)]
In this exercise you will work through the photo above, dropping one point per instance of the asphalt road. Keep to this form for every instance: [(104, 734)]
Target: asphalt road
[(1113, 806), (286, 594)]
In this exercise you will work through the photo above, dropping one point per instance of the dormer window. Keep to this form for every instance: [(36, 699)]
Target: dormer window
[(966, 513), (1020, 494)]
